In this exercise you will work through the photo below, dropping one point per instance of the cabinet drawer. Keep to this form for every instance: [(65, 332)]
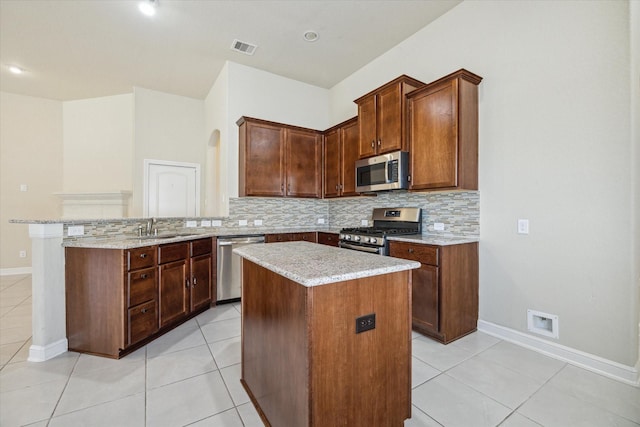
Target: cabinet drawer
[(424, 254), (141, 257), (306, 237), (328, 239), (173, 252), (143, 321), (142, 286), (200, 247)]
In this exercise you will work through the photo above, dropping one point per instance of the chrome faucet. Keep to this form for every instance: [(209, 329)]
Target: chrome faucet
[(150, 226)]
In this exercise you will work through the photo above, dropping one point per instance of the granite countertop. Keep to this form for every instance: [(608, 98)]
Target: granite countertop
[(311, 264), (435, 239), (130, 241)]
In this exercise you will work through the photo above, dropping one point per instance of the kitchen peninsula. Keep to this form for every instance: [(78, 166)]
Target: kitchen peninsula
[(326, 335)]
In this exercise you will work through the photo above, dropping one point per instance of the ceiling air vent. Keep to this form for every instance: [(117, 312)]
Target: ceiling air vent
[(242, 47)]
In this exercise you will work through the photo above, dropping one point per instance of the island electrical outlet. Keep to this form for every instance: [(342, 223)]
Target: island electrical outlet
[(365, 323)]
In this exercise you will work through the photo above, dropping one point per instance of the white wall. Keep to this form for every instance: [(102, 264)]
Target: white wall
[(98, 144), (555, 148), (31, 154), (166, 127)]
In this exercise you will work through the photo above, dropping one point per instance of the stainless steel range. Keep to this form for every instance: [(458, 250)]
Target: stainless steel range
[(386, 222)]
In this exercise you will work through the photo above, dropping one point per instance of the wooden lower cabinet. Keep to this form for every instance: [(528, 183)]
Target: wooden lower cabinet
[(118, 300), (444, 290), (303, 364)]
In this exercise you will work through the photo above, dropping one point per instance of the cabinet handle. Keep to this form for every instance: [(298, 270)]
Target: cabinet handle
[(379, 143), (186, 283), (144, 310), (336, 186), (373, 143), (193, 282), (281, 187), (144, 276), (410, 250), (143, 255)]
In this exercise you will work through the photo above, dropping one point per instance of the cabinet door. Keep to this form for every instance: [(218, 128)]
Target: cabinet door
[(264, 170), (174, 291), (424, 295), (303, 151), (200, 282), (434, 145), (367, 127), (332, 164), (350, 140), (389, 119)]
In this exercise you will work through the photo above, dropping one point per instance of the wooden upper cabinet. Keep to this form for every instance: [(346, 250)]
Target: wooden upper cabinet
[(382, 116), (340, 155), (443, 133), (303, 162), (261, 155), (278, 160)]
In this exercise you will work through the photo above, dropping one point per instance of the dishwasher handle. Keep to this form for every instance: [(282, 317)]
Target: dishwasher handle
[(240, 240)]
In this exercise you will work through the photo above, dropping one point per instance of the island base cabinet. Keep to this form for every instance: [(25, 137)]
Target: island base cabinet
[(303, 364)]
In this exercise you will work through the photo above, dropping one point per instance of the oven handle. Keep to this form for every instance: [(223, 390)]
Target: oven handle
[(359, 248)]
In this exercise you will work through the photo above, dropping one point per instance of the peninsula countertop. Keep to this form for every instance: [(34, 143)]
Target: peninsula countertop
[(311, 264)]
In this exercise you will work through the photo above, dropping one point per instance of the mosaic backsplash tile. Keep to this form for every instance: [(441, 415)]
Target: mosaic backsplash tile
[(459, 212)]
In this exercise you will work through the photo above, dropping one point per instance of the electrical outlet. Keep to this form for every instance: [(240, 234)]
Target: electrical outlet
[(24, 187), (364, 222), (257, 222), (438, 226), (320, 220), (242, 222), (205, 223), (75, 230), (365, 323), (23, 254), (216, 223), (191, 224)]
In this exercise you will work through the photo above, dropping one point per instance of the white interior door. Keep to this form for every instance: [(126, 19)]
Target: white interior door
[(172, 189)]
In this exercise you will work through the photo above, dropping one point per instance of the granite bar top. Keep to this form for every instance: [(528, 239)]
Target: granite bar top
[(435, 239), (311, 264)]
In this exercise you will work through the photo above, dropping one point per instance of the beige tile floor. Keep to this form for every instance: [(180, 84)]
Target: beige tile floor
[(190, 376)]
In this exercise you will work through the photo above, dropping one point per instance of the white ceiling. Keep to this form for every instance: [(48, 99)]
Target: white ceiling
[(76, 49)]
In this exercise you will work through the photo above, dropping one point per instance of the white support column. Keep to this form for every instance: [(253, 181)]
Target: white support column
[(48, 307)]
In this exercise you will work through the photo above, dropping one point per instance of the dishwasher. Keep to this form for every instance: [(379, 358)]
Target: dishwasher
[(229, 266)]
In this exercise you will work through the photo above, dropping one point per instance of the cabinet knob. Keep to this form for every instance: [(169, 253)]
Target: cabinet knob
[(193, 282), (144, 276), (410, 250), (186, 283), (144, 310), (143, 255)]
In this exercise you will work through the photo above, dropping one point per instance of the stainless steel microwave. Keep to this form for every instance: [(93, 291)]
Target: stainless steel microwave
[(381, 173)]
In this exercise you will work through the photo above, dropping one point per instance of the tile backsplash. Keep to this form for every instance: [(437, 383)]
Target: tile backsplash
[(458, 211)]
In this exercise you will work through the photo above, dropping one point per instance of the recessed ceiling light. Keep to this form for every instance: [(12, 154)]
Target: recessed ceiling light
[(15, 69), (148, 7), (310, 36)]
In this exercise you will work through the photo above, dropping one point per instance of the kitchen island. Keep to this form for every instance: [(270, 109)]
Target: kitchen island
[(326, 335)]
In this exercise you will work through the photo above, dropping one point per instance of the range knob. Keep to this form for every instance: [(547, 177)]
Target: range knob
[(347, 237), (373, 240), (356, 238)]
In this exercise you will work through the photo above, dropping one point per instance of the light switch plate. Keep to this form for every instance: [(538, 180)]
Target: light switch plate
[(242, 222), (216, 223), (205, 223), (364, 222), (523, 226), (257, 222), (438, 226), (191, 224), (320, 220)]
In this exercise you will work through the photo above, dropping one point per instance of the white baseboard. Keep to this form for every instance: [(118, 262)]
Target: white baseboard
[(38, 353), (599, 365), (15, 271)]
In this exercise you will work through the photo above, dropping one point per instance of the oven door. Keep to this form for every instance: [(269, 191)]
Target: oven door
[(370, 249)]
